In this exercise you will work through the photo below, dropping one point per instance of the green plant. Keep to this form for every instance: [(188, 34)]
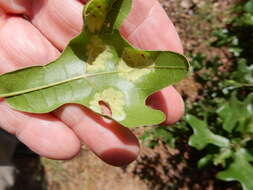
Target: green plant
[(167, 135), (222, 118), (229, 144)]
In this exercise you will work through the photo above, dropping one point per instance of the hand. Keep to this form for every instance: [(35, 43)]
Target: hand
[(40, 39)]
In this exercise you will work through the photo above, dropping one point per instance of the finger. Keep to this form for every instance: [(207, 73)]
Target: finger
[(58, 20), (44, 134), (28, 48), (148, 27), (16, 6), (170, 102), (114, 144)]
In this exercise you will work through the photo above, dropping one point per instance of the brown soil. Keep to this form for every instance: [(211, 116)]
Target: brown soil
[(87, 172), (156, 169)]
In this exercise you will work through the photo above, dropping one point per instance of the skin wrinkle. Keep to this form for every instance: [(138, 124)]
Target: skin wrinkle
[(57, 27), (7, 64), (61, 17), (20, 50), (141, 23), (9, 48), (137, 15), (158, 42)]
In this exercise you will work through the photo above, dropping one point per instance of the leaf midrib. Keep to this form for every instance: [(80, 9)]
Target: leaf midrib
[(77, 78)]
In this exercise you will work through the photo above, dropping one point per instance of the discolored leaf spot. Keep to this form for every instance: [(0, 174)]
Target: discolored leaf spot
[(114, 99), (101, 62), (95, 14), (137, 58), (131, 73), (94, 48)]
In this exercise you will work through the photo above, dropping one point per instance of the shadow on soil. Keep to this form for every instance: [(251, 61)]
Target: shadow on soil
[(30, 174), (179, 171)]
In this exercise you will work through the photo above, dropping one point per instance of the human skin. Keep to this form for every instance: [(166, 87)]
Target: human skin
[(39, 40)]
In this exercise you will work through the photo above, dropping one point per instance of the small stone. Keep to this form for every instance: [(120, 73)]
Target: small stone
[(186, 4)]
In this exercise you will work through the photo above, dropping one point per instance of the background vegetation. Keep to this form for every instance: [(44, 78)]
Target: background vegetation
[(221, 119)]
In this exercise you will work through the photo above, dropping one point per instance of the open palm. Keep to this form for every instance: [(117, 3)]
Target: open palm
[(38, 38)]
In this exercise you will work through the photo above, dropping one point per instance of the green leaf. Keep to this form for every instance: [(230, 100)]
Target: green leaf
[(205, 160), (248, 7), (243, 72), (202, 136), (221, 158), (247, 19), (240, 170), (237, 114), (165, 136), (98, 66), (159, 133)]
